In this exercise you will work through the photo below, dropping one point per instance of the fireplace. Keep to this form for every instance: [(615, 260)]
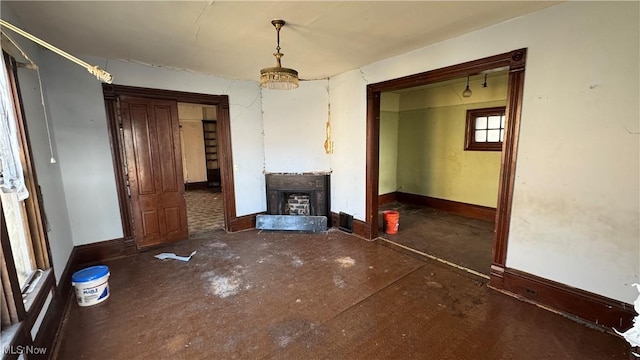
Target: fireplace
[(298, 195), (285, 188)]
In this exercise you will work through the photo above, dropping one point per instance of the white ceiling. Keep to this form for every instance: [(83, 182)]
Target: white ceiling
[(236, 39)]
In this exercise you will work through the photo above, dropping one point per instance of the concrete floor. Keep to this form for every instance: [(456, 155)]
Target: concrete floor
[(277, 295), (461, 240)]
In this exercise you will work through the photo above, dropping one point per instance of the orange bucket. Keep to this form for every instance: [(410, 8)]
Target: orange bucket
[(391, 221)]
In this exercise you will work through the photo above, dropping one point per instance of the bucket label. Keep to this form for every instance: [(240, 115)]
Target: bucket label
[(92, 295)]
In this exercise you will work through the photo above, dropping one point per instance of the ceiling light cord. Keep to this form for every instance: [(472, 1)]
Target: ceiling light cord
[(46, 119), (94, 70)]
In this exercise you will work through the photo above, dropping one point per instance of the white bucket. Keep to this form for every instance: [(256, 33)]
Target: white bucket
[(91, 284)]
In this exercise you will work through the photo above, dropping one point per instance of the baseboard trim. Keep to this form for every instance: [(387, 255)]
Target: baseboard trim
[(104, 250), (201, 185), (64, 285), (47, 335), (245, 222), (592, 308), (387, 198), (360, 228), (455, 207)]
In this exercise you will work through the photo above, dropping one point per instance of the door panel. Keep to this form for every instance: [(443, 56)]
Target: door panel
[(154, 162)]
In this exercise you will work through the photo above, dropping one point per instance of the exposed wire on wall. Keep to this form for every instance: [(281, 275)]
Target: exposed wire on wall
[(328, 143), (33, 66), (94, 70)]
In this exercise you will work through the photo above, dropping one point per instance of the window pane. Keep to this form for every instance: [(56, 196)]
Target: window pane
[(502, 121), (18, 231), (481, 122), (481, 136), (501, 135), (494, 122), (493, 135)]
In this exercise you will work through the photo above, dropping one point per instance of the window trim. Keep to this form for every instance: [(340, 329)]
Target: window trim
[(469, 137), (25, 310)]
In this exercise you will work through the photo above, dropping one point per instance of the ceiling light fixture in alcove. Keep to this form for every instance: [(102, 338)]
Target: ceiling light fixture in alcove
[(278, 77), (467, 91)]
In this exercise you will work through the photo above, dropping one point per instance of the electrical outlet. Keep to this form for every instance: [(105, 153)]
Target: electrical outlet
[(531, 292)]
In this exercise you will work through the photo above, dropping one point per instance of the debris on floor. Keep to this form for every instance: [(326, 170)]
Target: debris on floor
[(163, 256)]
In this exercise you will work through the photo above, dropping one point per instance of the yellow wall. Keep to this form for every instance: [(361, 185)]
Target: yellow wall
[(389, 105), (431, 156)]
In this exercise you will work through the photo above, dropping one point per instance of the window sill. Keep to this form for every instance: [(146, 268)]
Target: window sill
[(34, 301)]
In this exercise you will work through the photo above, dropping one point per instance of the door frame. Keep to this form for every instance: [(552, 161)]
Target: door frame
[(112, 92), (515, 61)]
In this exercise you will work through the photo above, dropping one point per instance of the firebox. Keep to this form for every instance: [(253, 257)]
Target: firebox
[(298, 194)]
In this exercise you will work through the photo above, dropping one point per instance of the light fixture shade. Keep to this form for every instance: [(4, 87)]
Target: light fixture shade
[(279, 78), (467, 91)]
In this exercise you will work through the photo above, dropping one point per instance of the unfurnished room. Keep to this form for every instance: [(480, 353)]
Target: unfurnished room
[(320, 179)]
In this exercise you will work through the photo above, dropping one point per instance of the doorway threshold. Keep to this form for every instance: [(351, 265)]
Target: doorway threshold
[(432, 257)]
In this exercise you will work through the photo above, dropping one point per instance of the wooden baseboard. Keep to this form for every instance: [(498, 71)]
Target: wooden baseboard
[(104, 250), (196, 185), (51, 326), (64, 285), (455, 207), (360, 227), (592, 308), (387, 198), (245, 222)]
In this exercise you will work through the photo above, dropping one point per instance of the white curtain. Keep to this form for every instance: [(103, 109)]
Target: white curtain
[(11, 175)]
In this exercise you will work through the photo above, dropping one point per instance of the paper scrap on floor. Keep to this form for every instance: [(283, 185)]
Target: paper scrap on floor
[(163, 256)]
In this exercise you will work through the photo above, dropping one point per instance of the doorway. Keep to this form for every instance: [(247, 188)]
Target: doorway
[(133, 222), (199, 141), (514, 61), (443, 184)]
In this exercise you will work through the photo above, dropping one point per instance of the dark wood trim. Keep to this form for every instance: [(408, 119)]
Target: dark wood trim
[(373, 164), (64, 285), (111, 93), (455, 207), (360, 228), (510, 59), (117, 157), (12, 294), (595, 309), (226, 164), (33, 204), (514, 60), (103, 250), (51, 326), (19, 337), (508, 161), (245, 222), (387, 198), (200, 185), (42, 291), (470, 143)]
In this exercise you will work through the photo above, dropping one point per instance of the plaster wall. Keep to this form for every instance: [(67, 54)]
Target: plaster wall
[(79, 120), (575, 204)]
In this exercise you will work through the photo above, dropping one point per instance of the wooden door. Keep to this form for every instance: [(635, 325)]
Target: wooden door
[(154, 166)]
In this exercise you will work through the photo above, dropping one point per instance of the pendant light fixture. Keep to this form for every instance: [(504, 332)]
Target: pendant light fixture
[(467, 91), (278, 77), (484, 85)]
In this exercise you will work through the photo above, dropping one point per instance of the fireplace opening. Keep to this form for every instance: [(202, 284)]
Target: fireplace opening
[(297, 204)]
